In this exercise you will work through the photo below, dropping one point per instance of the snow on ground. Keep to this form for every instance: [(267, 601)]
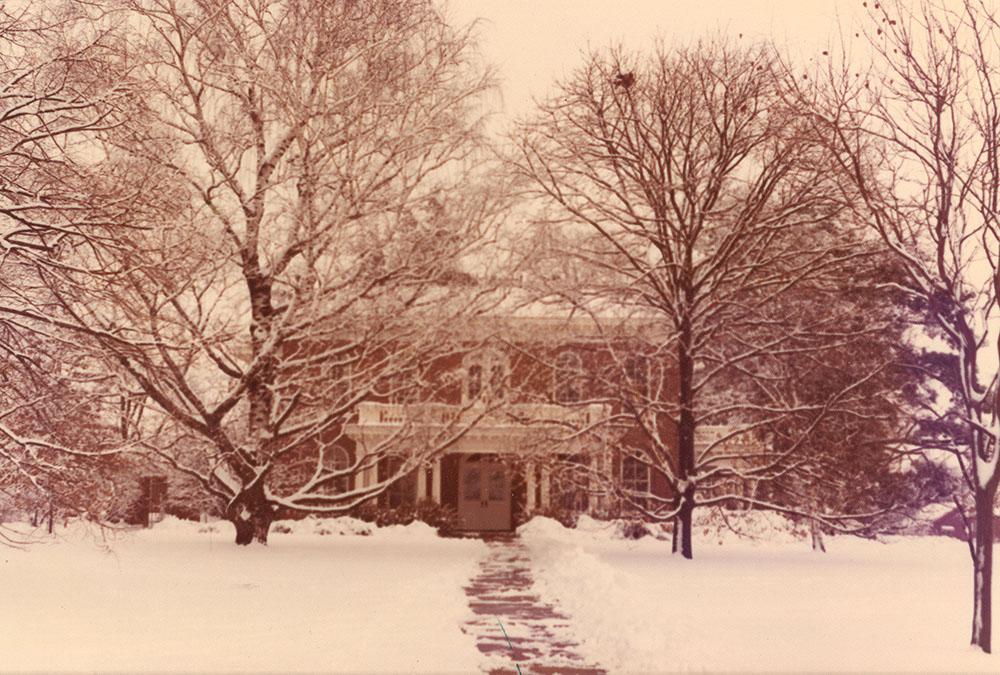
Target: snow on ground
[(756, 605), (178, 599)]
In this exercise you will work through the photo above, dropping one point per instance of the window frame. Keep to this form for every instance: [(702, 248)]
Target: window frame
[(492, 373), (568, 378), (633, 484)]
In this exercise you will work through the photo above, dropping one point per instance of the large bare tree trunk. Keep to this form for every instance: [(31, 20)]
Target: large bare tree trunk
[(251, 515), (982, 566), (685, 445), (683, 524)]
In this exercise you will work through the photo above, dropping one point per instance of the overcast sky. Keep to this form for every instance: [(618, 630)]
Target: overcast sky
[(533, 42)]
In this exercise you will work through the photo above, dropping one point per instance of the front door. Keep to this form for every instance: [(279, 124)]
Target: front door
[(483, 494)]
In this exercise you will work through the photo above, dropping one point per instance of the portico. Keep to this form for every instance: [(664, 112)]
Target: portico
[(495, 469)]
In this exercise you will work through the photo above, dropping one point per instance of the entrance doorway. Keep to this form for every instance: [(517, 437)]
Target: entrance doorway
[(484, 493)]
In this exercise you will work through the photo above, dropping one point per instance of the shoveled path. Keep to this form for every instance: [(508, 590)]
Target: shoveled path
[(539, 635)]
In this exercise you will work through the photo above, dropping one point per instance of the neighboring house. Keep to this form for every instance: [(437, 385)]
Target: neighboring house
[(951, 524)]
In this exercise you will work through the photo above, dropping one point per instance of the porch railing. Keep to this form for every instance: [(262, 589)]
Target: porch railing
[(515, 414)]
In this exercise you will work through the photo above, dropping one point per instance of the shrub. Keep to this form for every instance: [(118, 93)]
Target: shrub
[(634, 529), (442, 517), (182, 511)]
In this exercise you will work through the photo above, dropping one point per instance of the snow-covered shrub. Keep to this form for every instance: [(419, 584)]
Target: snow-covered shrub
[(634, 529), (439, 516)]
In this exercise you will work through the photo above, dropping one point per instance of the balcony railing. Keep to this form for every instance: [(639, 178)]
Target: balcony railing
[(707, 434), (510, 415)]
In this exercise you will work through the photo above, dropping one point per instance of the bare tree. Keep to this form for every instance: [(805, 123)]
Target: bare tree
[(314, 205), (918, 135), (54, 99), (58, 455), (691, 205)]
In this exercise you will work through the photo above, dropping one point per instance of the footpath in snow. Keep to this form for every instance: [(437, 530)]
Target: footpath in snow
[(512, 625)]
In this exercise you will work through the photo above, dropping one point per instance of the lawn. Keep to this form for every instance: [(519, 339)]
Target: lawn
[(174, 598), (900, 604), (182, 597)]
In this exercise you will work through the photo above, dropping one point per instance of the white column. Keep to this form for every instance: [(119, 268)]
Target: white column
[(436, 482), (607, 472), (368, 476), (421, 482), (545, 488), (529, 472)]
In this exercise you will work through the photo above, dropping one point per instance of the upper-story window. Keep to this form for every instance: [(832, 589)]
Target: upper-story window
[(486, 376), (637, 377), (473, 381), (402, 386), (568, 378)]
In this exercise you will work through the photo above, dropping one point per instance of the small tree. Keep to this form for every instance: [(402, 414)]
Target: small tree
[(918, 137)]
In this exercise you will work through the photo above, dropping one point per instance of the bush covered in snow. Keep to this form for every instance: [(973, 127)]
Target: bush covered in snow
[(439, 516), (714, 526), (340, 526)]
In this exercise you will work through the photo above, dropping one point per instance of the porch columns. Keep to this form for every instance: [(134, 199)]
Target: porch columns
[(436, 481), (545, 487), (529, 471), (421, 483), (598, 505), (368, 476)]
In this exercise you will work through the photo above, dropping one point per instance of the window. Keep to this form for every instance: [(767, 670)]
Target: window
[(402, 387), (472, 489), (341, 461), (486, 376), (498, 379), (474, 381), (568, 380), (337, 378), (637, 377), (635, 480), (496, 487), (570, 479), (403, 491)]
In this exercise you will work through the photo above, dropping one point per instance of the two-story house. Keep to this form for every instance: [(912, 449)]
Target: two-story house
[(544, 402)]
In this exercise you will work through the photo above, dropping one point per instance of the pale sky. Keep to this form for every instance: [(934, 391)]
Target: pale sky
[(533, 42)]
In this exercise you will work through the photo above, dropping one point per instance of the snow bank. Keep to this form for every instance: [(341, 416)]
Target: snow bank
[(182, 597), (900, 605), (586, 589)]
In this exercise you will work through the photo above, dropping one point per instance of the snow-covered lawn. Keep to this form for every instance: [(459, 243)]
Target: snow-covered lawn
[(174, 598), (178, 599), (754, 606)]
